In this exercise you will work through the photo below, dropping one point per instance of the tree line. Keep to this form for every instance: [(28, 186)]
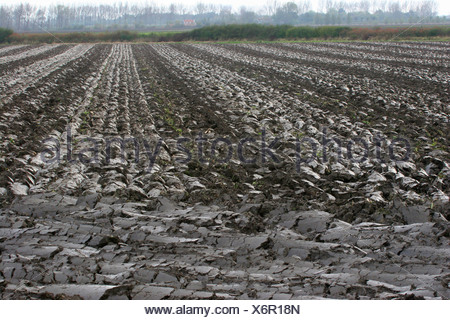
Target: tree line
[(25, 17), (236, 32)]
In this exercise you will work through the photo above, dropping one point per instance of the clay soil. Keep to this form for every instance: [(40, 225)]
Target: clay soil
[(247, 171)]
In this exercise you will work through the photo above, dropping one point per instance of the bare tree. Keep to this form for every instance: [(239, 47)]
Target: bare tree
[(394, 7), (200, 8), (304, 6), (405, 6), (364, 5), (427, 8), (41, 18), (18, 16), (271, 7), (182, 9), (173, 9), (6, 18)]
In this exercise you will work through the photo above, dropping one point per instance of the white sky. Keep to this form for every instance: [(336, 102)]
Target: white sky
[(443, 5)]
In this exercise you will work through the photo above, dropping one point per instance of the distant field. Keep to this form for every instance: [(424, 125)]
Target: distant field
[(242, 33)]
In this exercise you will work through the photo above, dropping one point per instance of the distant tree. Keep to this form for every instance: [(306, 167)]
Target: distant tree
[(182, 9), (173, 9), (394, 7), (6, 17), (287, 14), (225, 14), (364, 5), (271, 7), (200, 8), (307, 18), (427, 8), (19, 15), (40, 18), (61, 16), (303, 6), (247, 16)]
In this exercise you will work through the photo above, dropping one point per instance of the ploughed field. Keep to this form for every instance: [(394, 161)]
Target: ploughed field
[(249, 171)]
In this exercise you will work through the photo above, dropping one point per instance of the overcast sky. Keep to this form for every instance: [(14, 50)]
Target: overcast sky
[(443, 5)]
